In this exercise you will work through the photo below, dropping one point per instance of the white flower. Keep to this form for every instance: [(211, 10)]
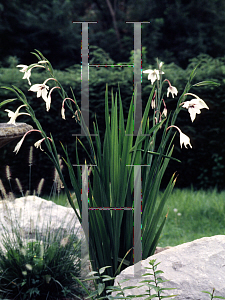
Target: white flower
[(18, 145), (49, 99), (153, 101), (48, 102), (194, 106), (165, 109), (27, 73), (13, 115), (153, 75), (164, 112), (77, 115), (38, 144), (41, 90), (173, 90), (63, 110), (160, 65), (184, 139), (63, 113)]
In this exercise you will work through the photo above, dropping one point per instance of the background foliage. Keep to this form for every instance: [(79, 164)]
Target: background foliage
[(179, 31)]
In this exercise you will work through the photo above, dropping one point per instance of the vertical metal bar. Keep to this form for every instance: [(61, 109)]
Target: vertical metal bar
[(85, 225), (137, 77), (137, 218), (84, 78)]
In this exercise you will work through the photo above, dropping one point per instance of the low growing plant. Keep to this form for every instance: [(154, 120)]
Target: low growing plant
[(39, 268)]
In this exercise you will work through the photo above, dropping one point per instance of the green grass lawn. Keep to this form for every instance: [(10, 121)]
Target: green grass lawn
[(197, 214)]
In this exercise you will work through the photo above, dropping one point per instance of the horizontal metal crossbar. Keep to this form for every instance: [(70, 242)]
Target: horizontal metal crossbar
[(110, 208), (110, 65)]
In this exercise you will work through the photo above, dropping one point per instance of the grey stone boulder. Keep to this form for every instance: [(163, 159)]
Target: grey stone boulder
[(10, 132), (33, 214), (190, 268)]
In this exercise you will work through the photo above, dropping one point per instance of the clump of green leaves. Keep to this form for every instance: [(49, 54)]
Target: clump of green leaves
[(39, 268)]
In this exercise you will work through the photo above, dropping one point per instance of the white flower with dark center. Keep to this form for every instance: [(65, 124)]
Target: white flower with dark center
[(194, 106), (41, 89)]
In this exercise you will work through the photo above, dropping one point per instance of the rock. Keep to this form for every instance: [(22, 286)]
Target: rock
[(32, 214), (160, 249), (190, 268), (10, 132)]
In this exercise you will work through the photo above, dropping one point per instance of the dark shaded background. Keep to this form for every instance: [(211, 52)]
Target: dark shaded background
[(180, 33)]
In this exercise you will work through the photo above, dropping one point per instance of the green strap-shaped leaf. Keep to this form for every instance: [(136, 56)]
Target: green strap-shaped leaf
[(7, 101), (208, 82)]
